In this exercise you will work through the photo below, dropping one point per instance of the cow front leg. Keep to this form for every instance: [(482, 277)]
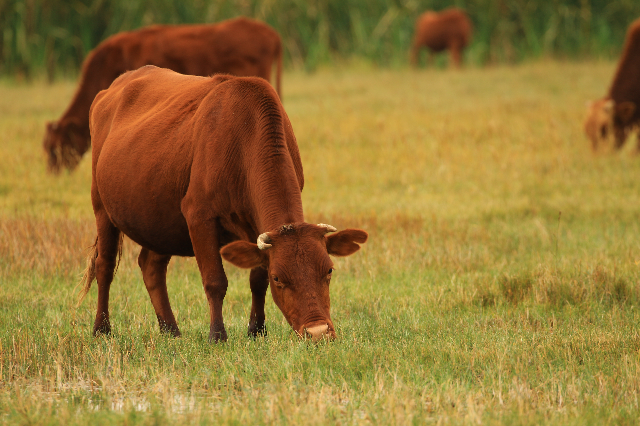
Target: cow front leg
[(215, 287), (259, 282), (154, 274), (206, 247)]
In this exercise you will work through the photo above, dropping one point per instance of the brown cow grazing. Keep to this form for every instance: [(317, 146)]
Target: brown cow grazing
[(241, 46), (205, 167), (448, 30), (618, 113)]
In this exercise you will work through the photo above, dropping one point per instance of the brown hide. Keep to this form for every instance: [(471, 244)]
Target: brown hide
[(184, 165), (241, 46), (620, 109), (449, 29)]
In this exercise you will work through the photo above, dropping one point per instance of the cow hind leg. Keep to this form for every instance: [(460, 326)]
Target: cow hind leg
[(154, 274), (259, 282), (109, 243), (456, 55)]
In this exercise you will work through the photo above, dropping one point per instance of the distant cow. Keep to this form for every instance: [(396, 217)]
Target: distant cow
[(241, 46), (617, 113), (448, 30), (208, 167)]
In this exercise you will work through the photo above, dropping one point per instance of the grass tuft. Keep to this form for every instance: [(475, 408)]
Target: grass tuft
[(515, 289)]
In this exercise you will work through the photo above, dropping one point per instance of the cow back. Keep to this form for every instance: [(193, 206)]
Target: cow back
[(159, 136)]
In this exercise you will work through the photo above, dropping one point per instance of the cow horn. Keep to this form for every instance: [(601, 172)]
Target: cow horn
[(263, 241), (328, 228)]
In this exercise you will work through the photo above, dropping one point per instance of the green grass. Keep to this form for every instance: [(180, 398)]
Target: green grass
[(500, 283)]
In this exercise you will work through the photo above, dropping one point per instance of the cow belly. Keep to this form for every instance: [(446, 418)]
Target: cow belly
[(157, 232), (142, 199), (437, 43)]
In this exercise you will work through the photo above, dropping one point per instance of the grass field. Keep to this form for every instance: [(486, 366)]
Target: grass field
[(500, 283)]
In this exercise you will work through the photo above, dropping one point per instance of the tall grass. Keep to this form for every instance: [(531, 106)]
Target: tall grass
[(53, 36)]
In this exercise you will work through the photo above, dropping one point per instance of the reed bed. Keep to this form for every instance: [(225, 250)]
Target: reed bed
[(52, 37)]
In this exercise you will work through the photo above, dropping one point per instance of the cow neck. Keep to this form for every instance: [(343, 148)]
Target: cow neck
[(78, 114), (78, 109), (271, 179), (277, 203), (275, 193), (94, 78)]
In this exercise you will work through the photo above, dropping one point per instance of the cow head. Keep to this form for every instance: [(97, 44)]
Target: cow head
[(296, 257), (599, 122), (607, 118), (64, 143)]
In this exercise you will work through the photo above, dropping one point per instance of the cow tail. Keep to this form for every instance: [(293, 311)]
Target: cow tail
[(279, 69), (89, 273)]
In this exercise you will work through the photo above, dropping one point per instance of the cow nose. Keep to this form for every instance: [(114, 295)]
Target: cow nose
[(317, 332)]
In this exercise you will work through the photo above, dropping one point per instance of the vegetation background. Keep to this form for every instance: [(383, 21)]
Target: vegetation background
[(52, 37)]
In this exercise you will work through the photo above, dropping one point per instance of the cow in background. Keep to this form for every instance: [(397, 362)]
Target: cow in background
[(618, 113), (241, 46), (449, 30)]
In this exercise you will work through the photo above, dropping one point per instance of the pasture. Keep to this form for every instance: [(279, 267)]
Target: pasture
[(500, 283)]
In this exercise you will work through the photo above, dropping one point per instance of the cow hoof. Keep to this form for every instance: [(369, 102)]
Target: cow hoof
[(173, 331), (169, 328), (104, 328), (217, 335), (257, 330)]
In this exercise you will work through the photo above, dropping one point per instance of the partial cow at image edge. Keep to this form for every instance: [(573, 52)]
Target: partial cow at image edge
[(617, 114)]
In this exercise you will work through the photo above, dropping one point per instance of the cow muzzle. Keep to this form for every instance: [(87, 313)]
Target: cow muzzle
[(318, 332)]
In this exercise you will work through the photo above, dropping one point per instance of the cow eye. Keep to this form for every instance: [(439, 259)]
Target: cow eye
[(277, 281), (330, 271)]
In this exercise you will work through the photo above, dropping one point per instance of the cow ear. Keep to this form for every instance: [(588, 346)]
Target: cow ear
[(244, 254), (625, 111), (343, 243)]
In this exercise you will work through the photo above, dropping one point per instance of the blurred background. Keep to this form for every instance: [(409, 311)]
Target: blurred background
[(50, 38)]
